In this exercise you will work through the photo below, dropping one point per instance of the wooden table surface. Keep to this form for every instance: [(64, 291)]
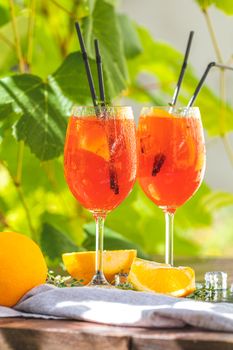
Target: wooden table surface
[(22, 334), (33, 334)]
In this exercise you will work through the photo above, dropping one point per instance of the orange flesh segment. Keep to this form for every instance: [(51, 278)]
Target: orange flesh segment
[(161, 278)]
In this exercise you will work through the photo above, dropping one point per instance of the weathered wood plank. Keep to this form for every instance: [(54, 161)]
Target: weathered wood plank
[(182, 340), (29, 334), (20, 334)]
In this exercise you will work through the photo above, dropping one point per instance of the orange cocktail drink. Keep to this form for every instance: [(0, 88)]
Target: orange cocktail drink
[(100, 163), (171, 156), (100, 160)]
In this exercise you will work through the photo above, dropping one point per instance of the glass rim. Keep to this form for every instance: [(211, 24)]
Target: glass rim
[(172, 111), (101, 107), (83, 110), (172, 107), (106, 106)]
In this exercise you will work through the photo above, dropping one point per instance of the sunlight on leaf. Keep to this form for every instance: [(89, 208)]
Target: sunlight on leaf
[(99, 26), (224, 5), (42, 125)]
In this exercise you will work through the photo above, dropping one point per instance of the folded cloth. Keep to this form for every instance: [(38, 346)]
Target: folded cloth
[(121, 308)]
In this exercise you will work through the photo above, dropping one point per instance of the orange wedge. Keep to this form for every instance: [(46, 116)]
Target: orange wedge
[(161, 278), (89, 141), (81, 265)]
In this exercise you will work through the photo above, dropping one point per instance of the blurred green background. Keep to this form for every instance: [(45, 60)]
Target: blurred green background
[(42, 75)]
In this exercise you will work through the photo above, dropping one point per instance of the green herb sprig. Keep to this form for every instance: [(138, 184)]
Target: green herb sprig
[(125, 286), (211, 294), (63, 281), (201, 293)]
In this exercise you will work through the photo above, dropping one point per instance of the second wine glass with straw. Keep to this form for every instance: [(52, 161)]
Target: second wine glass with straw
[(171, 152), (157, 143), (100, 156)]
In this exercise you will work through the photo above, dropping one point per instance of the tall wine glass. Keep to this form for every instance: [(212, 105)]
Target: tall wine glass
[(100, 164), (171, 157)]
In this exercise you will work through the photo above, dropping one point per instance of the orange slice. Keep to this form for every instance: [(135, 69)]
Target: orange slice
[(161, 278), (89, 140), (81, 265)]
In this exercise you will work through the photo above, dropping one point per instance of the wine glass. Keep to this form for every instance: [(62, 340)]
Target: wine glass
[(100, 164), (171, 159)]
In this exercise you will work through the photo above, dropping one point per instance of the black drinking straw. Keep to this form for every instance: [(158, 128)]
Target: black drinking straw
[(87, 66), (183, 68), (201, 82), (100, 72), (112, 171), (159, 159)]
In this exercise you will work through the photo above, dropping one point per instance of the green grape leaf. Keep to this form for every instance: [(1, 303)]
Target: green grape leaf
[(54, 242), (91, 4), (84, 8), (204, 4), (224, 5), (131, 40), (112, 240), (7, 118), (6, 110), (112, 2), (42, 124), (103, 25), (71, 79)]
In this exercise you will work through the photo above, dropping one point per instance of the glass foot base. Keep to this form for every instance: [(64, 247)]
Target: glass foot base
[(99, 280)]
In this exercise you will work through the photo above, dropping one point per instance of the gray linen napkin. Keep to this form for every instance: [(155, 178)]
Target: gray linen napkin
[(122, 308)]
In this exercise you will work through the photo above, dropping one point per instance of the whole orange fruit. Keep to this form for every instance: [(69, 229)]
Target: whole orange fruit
[(22, 267)]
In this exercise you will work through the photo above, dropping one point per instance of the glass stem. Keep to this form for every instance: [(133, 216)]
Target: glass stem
[(99, 278), (99, 219), (169, 217)]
